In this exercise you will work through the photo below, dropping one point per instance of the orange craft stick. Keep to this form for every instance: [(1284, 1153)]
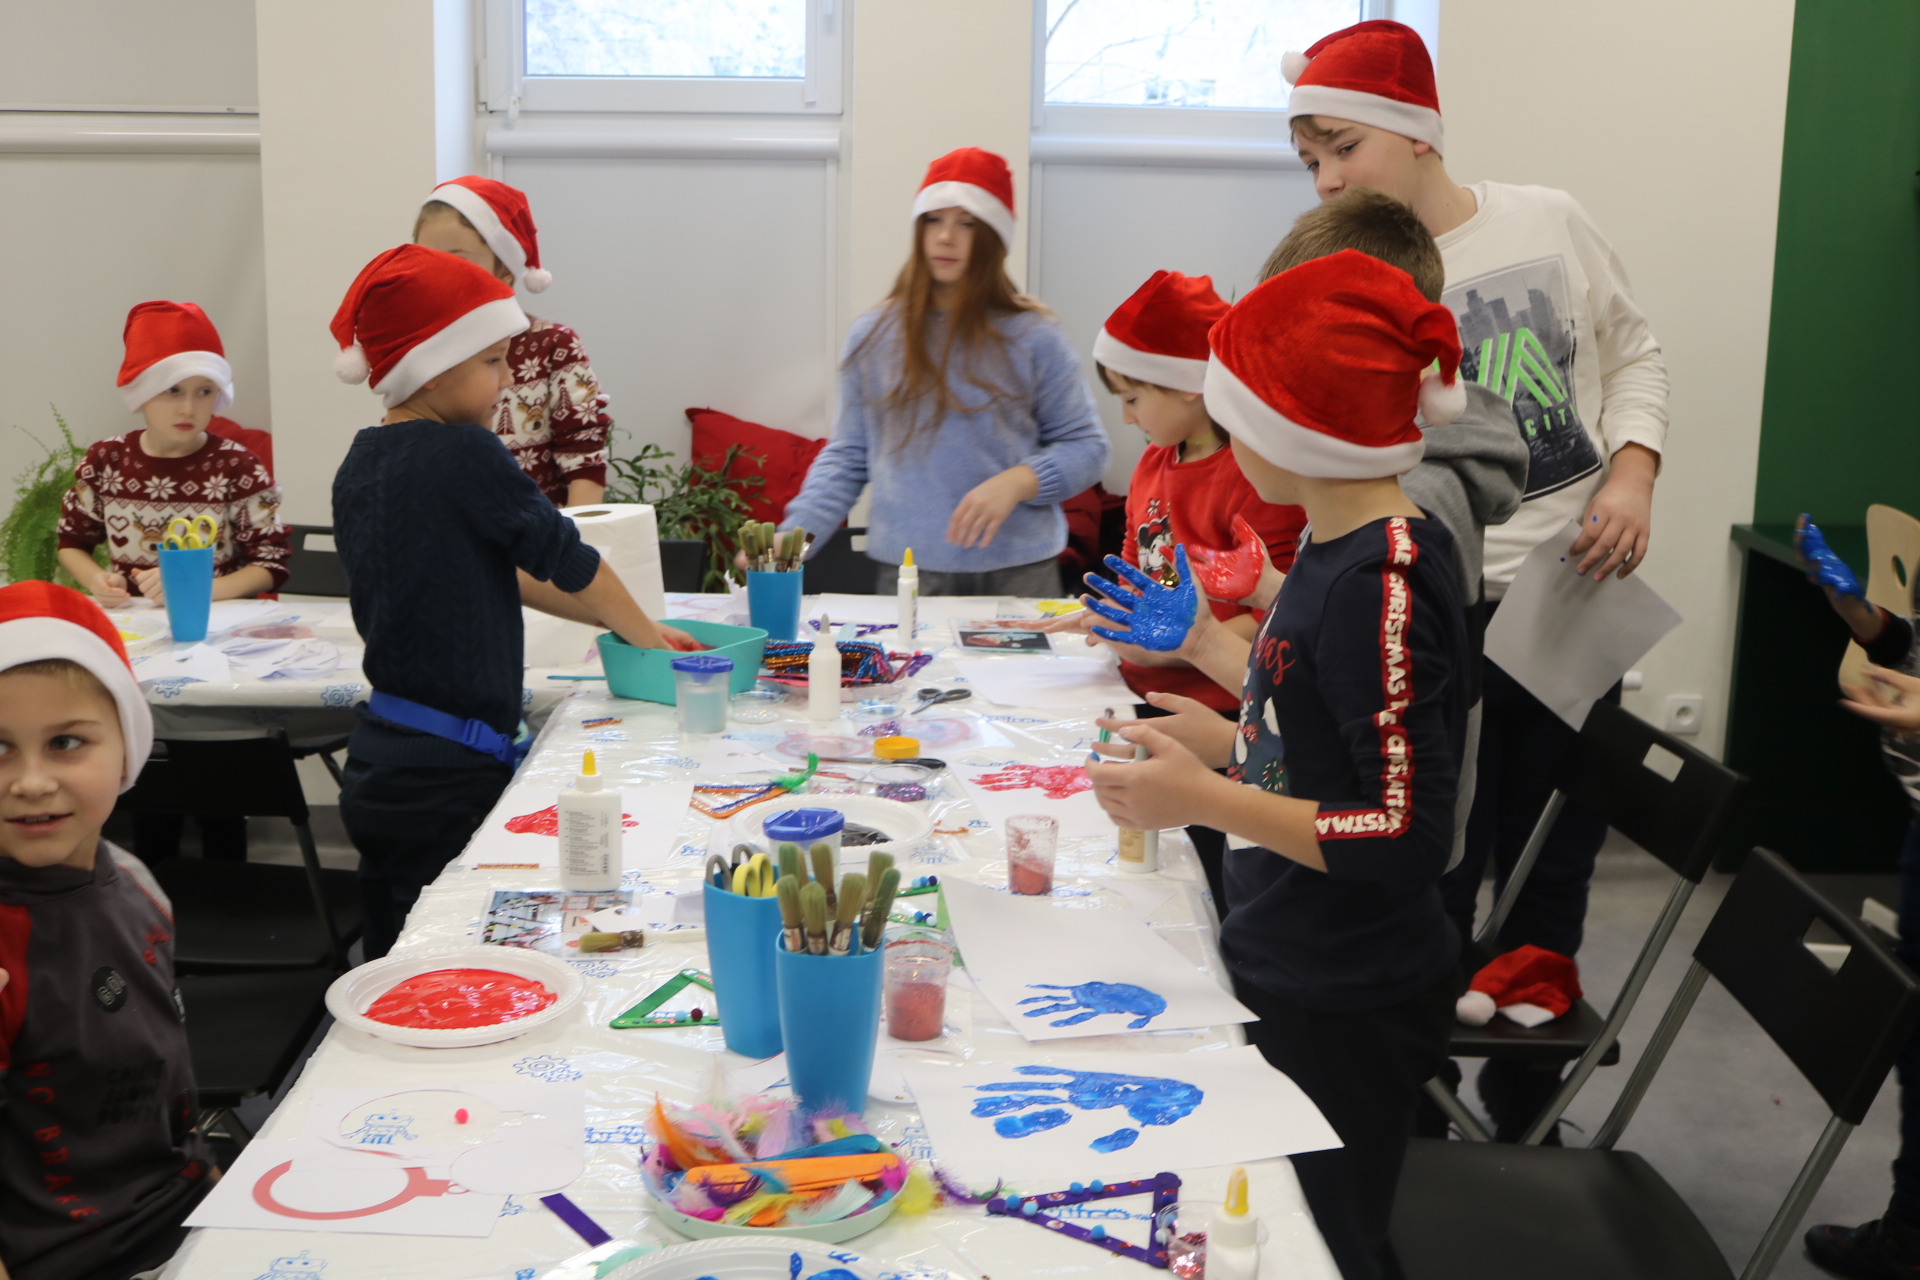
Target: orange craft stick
[(811, 1173)]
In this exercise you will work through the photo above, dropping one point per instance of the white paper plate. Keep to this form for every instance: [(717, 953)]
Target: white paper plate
[(768, 1258), (352, 992), (908, 825)]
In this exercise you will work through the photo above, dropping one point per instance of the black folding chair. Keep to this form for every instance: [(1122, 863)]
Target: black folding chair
[(839, 568), (240, 916), (245, 1031), (313, 566), (1665, 796), (1474, 1211)]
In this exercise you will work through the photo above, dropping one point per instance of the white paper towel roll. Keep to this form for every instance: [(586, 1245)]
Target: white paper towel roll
[(628, 539)]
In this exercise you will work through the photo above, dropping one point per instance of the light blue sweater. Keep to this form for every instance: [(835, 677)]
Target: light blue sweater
[(1046, 420)]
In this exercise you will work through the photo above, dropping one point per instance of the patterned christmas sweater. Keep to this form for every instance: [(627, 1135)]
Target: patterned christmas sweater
[(125, 497), (553, 419)]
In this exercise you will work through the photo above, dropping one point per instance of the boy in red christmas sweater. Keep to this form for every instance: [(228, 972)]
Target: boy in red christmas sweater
[(128, 488)]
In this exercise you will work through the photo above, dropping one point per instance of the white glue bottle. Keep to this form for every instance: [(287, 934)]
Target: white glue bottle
[(1233, 1242), (1139, 850), (590, 833), (907, 595), (823, 675)]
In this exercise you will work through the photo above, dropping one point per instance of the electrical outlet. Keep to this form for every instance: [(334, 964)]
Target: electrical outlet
[(1684, 712)]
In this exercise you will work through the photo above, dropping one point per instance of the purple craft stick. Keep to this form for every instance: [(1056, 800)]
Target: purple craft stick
[(1166, 1192), (570, 1213)]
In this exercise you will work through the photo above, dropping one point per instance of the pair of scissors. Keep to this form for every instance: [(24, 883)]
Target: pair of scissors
[(192, 535), (934, 697), (754, 877)]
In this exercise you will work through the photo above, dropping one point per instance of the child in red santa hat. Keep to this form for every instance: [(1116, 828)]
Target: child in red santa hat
[(553, 417), (129, 488), (1342, 776)]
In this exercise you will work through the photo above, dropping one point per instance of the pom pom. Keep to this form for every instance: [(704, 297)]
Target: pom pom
[(1293, 66), (1474, 1008), (537, 279), (351, 364), (1441, 401)]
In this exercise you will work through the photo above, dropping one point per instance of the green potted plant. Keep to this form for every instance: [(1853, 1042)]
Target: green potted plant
[(29, 538), (699, 509)]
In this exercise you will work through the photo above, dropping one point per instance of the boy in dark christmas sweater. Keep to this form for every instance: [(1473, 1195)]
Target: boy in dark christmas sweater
[(1342, 774)]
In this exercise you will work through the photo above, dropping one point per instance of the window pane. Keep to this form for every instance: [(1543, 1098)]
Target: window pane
[(755, 39), (1181, 53)]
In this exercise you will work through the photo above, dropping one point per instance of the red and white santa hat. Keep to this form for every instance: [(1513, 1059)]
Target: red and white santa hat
[(414, 313), (1529, 985), (167, 342), (1320, 369), (1376, 73), (1159, 335), (39, 621), (503, 218), (975, 180)]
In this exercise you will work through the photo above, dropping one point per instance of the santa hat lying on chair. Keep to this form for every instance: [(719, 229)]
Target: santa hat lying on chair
[(1529, 985)]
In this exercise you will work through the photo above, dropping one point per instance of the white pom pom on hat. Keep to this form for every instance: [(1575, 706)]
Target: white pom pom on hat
[(537, 279), (1441, 401), (350, 365), (1293, 65), (1474, 1008)]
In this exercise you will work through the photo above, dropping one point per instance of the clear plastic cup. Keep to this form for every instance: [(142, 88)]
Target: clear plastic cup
[(700, 684), (1032, 839), (918, 963), (759, 705)]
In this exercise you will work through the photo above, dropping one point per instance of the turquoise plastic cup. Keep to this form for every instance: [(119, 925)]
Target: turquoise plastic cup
[(741, 935), (773, 603), (829, 1018), (187, 578)]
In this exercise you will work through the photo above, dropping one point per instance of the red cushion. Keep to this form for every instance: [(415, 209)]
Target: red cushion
[(780, 457), (261, 442)]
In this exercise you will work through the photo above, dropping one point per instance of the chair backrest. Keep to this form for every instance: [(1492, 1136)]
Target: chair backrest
[(683, 564), (244, 772), (837, 567), (1671, 799), (1893, 558), (1841, 1028), (313, 566)]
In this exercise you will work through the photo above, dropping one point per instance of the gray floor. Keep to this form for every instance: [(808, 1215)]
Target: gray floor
[(1728, 1120)]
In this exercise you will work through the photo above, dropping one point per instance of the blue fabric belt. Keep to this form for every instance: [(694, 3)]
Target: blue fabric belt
[(476, 735)]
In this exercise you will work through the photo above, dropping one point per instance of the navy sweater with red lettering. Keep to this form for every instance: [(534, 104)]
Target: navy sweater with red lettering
[(1356, 698)]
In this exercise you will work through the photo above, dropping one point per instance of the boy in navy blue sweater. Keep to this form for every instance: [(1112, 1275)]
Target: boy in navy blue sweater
[(1343, 772), (443, 538)]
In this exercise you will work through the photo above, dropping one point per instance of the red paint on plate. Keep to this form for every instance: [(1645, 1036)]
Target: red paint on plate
[(450, 999)]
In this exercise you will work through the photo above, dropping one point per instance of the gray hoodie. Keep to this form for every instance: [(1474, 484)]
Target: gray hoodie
[(1473, 475)]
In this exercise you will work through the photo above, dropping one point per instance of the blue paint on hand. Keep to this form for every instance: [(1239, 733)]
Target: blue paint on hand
[(1032, 1122), (1148, 1100), (1118, 1140), (1091, 999), (1823, 566), (1156, 617)]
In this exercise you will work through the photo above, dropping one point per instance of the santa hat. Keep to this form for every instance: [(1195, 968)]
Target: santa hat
[(168, 342), (1376, 73), (1159, 335), (975, 180), (503, 218), (413, 314), (1319, 370), (39, 621), (1530, 985)]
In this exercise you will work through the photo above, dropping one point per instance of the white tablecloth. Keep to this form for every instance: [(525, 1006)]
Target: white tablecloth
[(622, 1070)]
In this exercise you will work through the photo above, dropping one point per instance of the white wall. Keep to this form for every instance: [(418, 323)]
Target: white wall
[(1665, 121), (127, 53)]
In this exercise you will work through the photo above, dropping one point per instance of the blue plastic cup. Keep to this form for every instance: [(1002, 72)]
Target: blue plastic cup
[(830, 1018), (187, 579), (773, 603), (741, 935)]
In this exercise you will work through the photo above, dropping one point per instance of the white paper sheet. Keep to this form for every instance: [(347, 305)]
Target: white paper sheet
[(1057, 971), (742, 751), (225, 615), (1567, 638), (1059, 789), (1117, 1116), (654, 814), (198, 661), (304, 1177), (844, 608), (1037, 681)]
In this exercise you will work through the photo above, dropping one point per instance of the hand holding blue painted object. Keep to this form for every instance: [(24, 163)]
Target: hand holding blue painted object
[(1822, 565), (1157, 617)]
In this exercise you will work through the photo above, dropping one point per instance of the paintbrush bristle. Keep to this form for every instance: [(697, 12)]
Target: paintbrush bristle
[(813, 907), (875, 921), (791, 863), (853, 896), (877, 864), (787, 890), (823, 867)]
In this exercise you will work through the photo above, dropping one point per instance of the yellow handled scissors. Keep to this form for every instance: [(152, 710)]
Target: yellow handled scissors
[(754, 877), (192, 535)]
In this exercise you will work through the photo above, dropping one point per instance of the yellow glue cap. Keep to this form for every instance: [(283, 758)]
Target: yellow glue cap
[(1237, 1192), (587, 769), (908, 562), (896, 748)]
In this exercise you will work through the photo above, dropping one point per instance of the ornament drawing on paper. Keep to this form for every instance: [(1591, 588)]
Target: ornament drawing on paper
[(1058, 781), (546, 822), (1089, 1000), (432, 1116), (1147, 1100)]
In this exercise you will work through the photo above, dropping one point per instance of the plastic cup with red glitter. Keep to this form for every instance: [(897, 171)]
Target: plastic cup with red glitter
[(917, 965), (1031, 841)]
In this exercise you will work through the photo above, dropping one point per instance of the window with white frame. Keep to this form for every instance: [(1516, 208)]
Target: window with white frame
[(718, 56)]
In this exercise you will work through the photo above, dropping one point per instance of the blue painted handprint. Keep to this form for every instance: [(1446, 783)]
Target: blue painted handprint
[(1157, 617), (1147, 1099), (1095, 998)]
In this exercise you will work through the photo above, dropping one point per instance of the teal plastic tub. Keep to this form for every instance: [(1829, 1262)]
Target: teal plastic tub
[(647, 674)]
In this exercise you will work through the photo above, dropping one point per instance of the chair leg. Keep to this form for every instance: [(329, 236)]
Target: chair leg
[(310, 857), (1787, 1222), (1456, 1112), (1522, 867), (333, 767)]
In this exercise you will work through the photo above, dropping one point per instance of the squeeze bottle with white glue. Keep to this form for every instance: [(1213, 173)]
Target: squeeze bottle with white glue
[(1233, 1242), (823, 675), (590, 832), (907, 594)]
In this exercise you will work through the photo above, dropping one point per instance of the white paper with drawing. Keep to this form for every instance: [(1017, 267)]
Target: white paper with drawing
[(1567, 638), (522, 832), (1058, 970), (1114, 1116), (1037, 681), (1060, 789)]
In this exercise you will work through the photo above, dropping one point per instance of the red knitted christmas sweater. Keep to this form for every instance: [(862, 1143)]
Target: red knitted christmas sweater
[(553, 419)]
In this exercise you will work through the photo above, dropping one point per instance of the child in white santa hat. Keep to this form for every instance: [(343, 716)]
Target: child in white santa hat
[(553, 417)]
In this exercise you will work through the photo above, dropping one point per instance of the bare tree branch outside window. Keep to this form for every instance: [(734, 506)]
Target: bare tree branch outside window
[(745, 39)]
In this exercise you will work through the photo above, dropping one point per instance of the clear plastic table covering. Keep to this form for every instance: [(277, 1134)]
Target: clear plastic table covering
[(623, 1070)]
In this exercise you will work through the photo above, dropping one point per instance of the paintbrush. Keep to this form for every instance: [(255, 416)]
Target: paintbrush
[(853, 896), (877, 863), (813, 912), (791, 867), (787, 890), (823, 868), (878, 906), (620, 941)]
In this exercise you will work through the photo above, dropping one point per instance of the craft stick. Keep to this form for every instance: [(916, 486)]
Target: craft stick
[(787, 890), (823, 869), (853, 896), (813, 911), (807, 1174)]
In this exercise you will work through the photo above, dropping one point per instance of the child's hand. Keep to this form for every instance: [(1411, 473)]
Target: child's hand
[(1194, 725), (988, 504), (1618, 522), (1154, 617), (1889, 699), (109, 588), (677, 639), (1830, 573), (1078, 620), (1168, 789), (150, 585)]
